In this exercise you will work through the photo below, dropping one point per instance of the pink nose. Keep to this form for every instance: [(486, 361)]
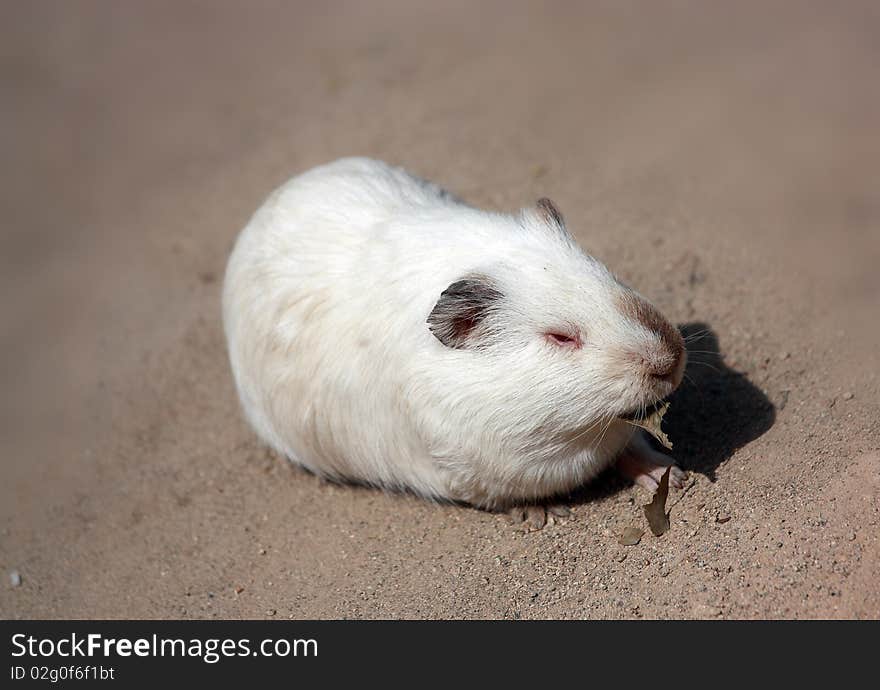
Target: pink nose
[(669, 367)]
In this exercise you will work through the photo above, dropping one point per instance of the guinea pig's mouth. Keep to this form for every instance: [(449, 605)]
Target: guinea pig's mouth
[(641, 412)]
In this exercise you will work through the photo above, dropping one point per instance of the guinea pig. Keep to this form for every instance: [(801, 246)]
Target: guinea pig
[(384, 332)]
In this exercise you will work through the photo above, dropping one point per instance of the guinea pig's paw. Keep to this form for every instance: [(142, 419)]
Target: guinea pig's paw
[(530, 517), (535, 517), (645, 467)]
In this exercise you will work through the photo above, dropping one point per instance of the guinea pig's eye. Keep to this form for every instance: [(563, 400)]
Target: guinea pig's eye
[(563, 339)]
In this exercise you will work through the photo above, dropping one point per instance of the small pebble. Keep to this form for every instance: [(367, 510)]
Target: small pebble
[(630, 536), (848, 396), (14, 578)]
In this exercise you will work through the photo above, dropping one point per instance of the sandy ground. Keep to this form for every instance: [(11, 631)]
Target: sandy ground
[(724, 158)]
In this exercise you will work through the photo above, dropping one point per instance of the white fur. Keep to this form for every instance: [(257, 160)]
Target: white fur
[(325, 303)]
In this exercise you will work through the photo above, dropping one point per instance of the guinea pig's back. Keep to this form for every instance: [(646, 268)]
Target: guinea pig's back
[(311, 325)]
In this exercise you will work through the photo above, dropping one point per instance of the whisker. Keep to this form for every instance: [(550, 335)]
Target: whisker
[(605, 431), (696, 336), (705, 364), (587, 430)]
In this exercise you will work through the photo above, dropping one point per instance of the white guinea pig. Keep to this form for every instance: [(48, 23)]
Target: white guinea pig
[(382, 331)]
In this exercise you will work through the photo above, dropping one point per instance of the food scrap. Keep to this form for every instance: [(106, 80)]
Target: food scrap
[(630, 536), (655, 511), (651, 424)]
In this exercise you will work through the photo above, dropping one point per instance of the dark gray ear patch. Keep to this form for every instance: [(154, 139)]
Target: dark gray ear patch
[(457, 317)]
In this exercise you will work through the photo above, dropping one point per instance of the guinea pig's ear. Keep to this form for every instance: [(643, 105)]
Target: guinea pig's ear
[(549, 213), (458, 317)]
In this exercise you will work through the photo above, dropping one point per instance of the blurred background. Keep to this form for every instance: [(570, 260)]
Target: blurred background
[(724, 158)]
